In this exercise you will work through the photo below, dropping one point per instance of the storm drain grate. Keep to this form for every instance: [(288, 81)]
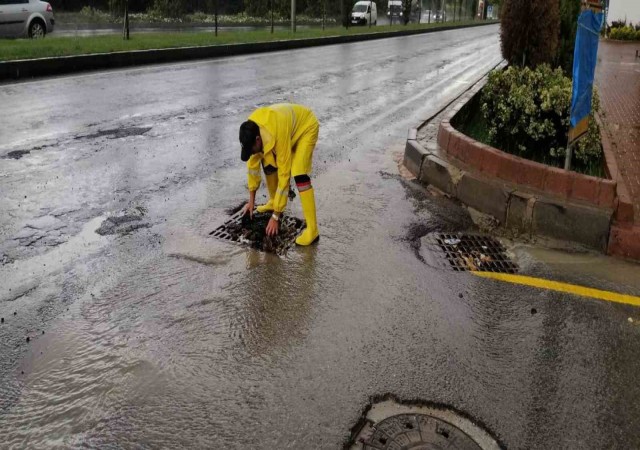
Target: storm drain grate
[(240, 231), (416, 431), (472, 252), (390, 425)]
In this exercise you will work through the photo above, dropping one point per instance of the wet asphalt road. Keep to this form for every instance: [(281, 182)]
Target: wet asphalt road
[(156, 335)]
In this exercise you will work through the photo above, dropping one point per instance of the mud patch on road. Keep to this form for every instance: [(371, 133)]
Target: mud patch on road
[(116, 133), (17, 154), (124, 222)]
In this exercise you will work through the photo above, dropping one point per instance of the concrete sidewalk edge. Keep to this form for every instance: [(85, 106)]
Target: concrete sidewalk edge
[(27, 68), (525, 212)]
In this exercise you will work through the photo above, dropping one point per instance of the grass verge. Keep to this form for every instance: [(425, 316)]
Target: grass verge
[(51, 46)]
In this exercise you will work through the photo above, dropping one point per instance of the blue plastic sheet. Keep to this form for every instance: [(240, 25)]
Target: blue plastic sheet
[(584, 66)]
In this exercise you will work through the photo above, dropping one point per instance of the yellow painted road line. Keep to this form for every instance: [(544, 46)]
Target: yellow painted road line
[(561, 287)]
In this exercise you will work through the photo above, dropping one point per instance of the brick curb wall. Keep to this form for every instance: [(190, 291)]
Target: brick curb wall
[(525, 197)]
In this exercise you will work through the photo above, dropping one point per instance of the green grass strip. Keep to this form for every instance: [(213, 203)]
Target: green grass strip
[(52, 46)]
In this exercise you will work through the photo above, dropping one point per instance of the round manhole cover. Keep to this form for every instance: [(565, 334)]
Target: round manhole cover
[(418, 432)]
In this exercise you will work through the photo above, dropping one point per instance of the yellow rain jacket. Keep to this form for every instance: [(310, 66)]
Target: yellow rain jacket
[(289, 133)]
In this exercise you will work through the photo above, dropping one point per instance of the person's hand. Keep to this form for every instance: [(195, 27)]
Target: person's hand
[(272, 227), (248, 208)]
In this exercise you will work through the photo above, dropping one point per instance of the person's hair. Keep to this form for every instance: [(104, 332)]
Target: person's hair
[(249, 130)]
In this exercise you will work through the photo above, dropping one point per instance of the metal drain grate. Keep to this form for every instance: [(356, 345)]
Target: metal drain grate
[(471, 252), (390, 425), (416, 431), (232, 231)]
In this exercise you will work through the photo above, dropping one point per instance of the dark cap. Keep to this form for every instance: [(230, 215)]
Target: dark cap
[(249, 131)]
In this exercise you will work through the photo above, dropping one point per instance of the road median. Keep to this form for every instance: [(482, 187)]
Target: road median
[(58, 65)]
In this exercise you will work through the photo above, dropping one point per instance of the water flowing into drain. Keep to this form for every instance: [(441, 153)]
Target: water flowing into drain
[(465, 252), (240, 229)]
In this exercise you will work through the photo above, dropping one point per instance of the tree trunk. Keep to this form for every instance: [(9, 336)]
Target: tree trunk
[(125, 26)]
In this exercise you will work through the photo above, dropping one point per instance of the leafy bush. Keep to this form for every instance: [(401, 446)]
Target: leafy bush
[(618, 23), (168, 8), (94, 15), (626, 33), (527, 113)]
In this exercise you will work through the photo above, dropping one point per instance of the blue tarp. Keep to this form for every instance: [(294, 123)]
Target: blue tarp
[(584, 64)]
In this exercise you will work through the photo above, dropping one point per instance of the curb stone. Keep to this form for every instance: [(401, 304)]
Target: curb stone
[(519, 208)]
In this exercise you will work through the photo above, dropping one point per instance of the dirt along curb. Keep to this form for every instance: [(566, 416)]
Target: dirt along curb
[(26, 68), (526, 198)]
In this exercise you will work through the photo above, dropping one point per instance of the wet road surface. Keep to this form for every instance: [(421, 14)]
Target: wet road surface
[(152, 334)]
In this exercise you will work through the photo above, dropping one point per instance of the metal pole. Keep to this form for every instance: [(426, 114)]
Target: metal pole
[(370, 8), (568, 157), (293, 16), (271, 3), (216, 16)]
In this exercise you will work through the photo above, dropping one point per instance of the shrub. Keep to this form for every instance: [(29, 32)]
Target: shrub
[(527, 114), (94, 15), (529, 31), (168, 8), (618, 23), (626, 33)]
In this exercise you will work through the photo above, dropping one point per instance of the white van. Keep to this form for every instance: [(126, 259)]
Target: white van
[(364, 12)]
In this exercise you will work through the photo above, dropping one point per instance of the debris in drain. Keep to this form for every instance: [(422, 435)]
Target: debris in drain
[(252, 231), (471, 252)]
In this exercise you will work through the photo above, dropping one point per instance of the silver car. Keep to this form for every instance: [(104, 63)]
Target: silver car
[(25, 18)]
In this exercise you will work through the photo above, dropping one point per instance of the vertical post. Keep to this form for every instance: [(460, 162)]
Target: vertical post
[(293, 16), (370, 11), (568, 157), (215, 13), (271, 3), (125, 28), (324, 13), (430, 11)]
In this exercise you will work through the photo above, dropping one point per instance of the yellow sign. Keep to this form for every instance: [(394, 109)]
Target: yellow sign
[(579, 130)]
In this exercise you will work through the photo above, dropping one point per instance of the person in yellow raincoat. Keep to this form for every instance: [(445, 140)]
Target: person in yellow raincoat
[(281, 138)]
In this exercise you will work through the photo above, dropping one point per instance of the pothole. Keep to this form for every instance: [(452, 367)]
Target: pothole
[(124, 222), (241, 229), (391, 425), (17, 154), (466, 252), (116, 133)]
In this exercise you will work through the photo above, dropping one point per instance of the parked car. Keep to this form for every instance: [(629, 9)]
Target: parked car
[(438, 16), (363, 12), (25, 18)]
